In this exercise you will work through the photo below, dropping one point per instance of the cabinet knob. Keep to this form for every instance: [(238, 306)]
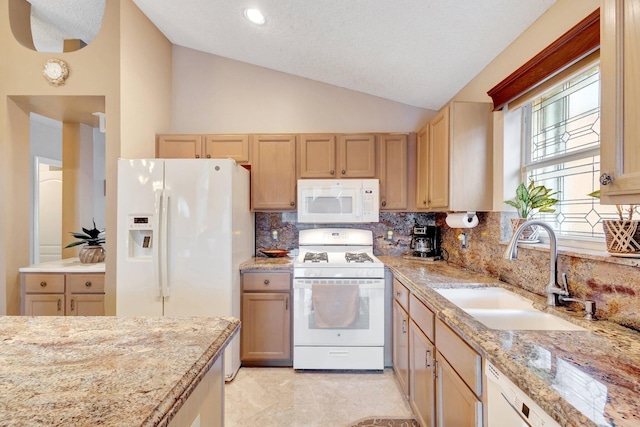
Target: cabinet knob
[(332, 172), (291, 204), (266, 281), (424, 202), (43, 284), (606, 179), (197, 156), (208, 156), (72, 304), (87, 284), (398, 294), (343, 171), (384, 203), (59, 305)]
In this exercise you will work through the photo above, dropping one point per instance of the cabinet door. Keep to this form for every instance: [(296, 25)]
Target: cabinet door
[(357, 156), (422, 390), (266, 326), (179, 146), (392, 171), (44, 305), (422, 168), (620, 105), (85, 305), (317, 156), (401, 346), (438, 181), (234, 147), (457, 404), (273, 172)]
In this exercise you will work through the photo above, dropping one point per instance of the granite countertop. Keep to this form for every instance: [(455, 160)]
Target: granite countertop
[(264, 263), (67, 265), (107, 371), (581, 378)]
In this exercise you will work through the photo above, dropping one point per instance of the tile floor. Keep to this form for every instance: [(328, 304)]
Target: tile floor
[(283, 397)]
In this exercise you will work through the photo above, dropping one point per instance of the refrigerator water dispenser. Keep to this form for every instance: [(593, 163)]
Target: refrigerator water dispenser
[(140, 236)]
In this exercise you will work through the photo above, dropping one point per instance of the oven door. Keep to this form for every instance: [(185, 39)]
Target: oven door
[(338, 312)]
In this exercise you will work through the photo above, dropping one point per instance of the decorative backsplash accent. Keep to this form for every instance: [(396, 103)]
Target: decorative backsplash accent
[(615, 286), (286, 223)]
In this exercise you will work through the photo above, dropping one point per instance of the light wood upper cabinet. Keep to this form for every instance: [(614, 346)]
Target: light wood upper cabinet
[(337, 156), (357, 156), (273, 172), (317, 156), (179, 146), (620, 104), (234, 147), (454, 159), (393, 171)]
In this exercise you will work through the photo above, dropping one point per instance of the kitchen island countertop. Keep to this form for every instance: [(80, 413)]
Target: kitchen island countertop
[(107, 371), (581, 378)]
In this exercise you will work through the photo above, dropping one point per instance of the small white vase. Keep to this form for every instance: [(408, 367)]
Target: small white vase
[(91, 254)]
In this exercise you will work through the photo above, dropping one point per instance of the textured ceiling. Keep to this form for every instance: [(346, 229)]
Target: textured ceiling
[(417, 52)]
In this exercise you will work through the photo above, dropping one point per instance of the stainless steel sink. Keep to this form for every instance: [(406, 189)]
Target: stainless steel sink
[(498, 308)]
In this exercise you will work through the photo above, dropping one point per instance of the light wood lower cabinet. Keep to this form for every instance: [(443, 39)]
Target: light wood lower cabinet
[(422, 378), (60, 294), (439, 371), (401, 346), (457, 404), (266, 319)]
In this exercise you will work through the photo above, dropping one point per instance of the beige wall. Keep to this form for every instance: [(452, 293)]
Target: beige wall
[(94, 71), (212, 94)]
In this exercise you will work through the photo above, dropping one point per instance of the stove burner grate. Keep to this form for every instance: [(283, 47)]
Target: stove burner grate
[(316, 257), (357, 257)]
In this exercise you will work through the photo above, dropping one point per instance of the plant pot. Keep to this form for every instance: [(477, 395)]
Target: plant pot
[(622, 237), (91, 254), (529, 234)]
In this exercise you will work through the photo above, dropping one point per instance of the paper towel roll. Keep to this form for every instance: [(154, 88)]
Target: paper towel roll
[(462, 220)]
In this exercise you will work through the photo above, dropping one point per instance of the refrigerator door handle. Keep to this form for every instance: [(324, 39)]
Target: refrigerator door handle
[(159, 241), (164, 250)]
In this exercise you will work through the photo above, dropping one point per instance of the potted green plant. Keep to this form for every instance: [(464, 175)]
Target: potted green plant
[(93, 239), (531, 199), (622, 236)]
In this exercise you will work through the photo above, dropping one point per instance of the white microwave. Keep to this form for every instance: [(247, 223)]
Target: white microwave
[(325, 201)]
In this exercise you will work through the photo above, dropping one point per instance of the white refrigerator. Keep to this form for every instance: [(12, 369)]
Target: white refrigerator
[(184, 227)]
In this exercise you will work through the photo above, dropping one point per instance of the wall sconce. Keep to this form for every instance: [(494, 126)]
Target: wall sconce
[(389, 235), (274, 235)]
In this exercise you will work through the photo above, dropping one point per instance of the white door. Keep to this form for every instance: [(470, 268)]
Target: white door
[(49, 214), (140, 183), (199, 237)]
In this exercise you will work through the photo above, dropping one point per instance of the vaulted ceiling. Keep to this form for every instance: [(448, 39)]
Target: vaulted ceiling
[(416, 52)]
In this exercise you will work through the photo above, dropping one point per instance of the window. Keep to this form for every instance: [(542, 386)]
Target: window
[(561, 146)]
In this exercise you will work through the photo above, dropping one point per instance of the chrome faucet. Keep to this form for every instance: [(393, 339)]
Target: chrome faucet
[(553, 290)]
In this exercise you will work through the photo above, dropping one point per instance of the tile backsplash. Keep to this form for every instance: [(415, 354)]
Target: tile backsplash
[(287, 226), (614, 286)]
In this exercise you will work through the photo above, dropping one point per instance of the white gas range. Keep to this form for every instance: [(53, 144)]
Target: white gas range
[(338, 301)]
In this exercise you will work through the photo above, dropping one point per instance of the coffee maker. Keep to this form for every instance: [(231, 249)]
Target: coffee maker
[(425, 241)]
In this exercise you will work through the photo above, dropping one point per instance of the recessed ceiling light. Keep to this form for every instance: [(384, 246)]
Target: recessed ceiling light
[(255, 16)]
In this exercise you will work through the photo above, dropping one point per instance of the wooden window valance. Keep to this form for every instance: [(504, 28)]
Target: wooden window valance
[(578, 42)]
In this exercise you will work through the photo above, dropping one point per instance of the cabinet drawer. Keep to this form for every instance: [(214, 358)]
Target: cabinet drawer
[(266, 281), (85, 283), (422, 316), (44, 283), (462, 358), (401, 294)]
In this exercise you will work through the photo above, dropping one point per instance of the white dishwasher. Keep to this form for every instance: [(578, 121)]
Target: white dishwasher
[(508, 406)]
